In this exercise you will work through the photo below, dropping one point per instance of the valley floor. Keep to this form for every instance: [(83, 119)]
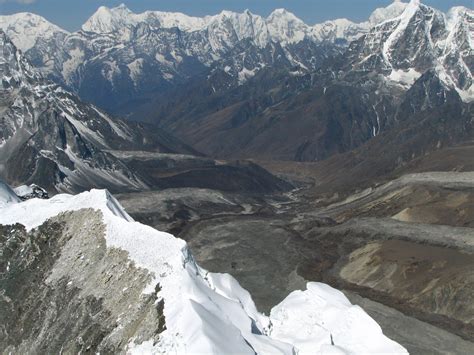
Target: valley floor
[(404, 250)]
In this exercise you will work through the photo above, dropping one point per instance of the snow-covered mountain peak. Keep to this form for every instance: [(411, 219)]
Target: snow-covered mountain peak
[(106, 20), (122, 6), (418, 40), (283, 14), (25, 28), (338, 29), (286, 28), (227, 28), (460, 15), (174, 19), (418, 25), (386, 13)]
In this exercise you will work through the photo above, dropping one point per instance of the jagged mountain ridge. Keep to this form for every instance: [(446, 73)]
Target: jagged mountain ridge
[(134, 56), (420, 39), (197, 77), (375, 86)]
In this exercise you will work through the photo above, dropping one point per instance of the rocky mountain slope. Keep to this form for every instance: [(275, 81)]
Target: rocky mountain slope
[(81, 275), (48, 136), (51, 138), (383, 83)]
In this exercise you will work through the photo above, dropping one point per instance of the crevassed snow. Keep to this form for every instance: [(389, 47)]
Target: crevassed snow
[(211, 313)]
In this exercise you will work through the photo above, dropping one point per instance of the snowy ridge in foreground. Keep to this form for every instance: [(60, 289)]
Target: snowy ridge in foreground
[(212, 313)]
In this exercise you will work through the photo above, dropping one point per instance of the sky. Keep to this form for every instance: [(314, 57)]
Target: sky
[(71, 14)]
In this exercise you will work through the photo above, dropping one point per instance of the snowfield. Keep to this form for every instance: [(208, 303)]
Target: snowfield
[(211, 313)]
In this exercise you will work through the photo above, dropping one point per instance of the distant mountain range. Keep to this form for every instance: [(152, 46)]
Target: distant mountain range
[(237, 85), (131, 56), (412, 70)]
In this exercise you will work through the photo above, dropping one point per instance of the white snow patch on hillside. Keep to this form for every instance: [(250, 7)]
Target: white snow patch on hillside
[(466, 95), (135, 68), (24, 190), (114, 125), (161, 58), (211, 313), (70, 66), (404, 77), (84, 130), (245, 74)]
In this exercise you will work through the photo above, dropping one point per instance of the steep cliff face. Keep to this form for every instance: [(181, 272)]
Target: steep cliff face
[(81, 275)]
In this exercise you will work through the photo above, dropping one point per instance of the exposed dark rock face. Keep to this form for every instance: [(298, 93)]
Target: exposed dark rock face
[(63, 290)]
